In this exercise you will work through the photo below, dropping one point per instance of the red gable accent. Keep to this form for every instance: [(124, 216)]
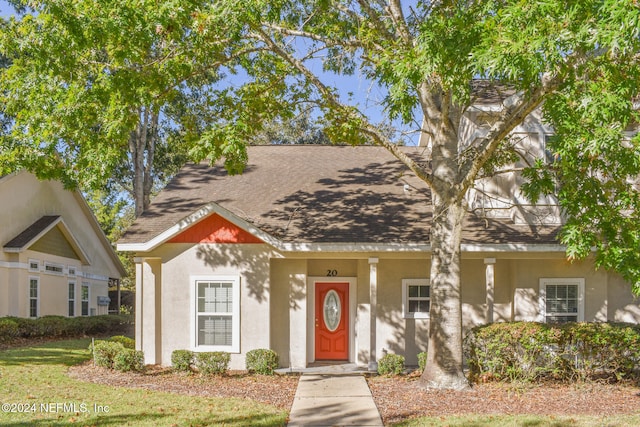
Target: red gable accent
[(214, 229)]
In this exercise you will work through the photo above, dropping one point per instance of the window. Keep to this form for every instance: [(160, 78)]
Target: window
[(34, 291), (562, 300), (217, 314), (34, 265), (71, 270), (84, 299), (416, 298), (53, 268), (72, 299)]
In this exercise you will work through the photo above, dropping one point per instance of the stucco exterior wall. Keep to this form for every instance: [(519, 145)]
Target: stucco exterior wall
[(622, 305), (25, 200), (276, 293), (171, 324)]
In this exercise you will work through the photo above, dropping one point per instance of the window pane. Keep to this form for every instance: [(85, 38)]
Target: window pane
[(424, 306), (214, 330), (551, 292), (424, 291), (85, 308), (72, 291), (215, 297), (413, 291), (72, 309), (561, 291), (33, 308), (561, 303), (419, 306)]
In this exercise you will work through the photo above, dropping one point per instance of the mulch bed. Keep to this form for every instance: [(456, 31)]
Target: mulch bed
[(397, 398), (276, 390), (401, 398)]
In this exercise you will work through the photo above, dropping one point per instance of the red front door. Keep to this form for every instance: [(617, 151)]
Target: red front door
[(332, 321)]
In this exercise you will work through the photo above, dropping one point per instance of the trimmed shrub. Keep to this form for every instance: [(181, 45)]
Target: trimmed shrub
[(104, 352), (528, 351), (51, 326), (9, 329), (127, 359), (126, 342), (422, 360), (181, 360), (212, 363), (58, 326), (262, 361), (391, 364)]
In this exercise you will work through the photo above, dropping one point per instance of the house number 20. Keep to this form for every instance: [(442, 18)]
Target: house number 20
[(332, 273)]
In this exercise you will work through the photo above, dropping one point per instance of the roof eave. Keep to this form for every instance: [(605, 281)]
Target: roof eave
[(197, 216), (84, 258)]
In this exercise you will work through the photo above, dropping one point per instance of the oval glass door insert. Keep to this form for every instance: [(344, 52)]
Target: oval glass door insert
[(332, 310)]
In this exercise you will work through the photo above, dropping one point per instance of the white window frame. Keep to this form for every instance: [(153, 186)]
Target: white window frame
[(235, 313), (82, 300), (71, 270), (34, 261), (71, 298), (54, 265), (37, 297), (405, 298), (575, 281)]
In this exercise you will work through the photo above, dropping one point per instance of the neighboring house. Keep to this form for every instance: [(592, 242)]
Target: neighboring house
[(322, 253), (55, 259)]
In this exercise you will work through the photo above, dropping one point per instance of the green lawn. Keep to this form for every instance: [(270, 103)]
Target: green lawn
[(35, 391)]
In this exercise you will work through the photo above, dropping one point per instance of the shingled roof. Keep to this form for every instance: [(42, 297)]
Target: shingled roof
[(318, 194), (31, 232)]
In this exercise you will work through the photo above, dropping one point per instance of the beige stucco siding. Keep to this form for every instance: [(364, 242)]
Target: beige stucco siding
[(276, 297), (397, 334), (180, 265), (622, 305), (24, 201)]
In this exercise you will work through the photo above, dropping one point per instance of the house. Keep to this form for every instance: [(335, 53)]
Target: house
[(55, 259), (322, 253)]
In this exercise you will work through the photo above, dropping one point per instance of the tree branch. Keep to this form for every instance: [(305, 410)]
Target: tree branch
[(395, 9), (508, 119), (347, 112)]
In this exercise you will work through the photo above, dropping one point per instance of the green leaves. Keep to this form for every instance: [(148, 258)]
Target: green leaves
[(96, 84)]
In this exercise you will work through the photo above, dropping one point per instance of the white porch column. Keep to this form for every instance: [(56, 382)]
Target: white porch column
[(490, 283), (298, 324), (373, 302), (148, 326)]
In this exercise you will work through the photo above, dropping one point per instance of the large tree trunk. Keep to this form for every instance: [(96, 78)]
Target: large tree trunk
[(142, 147), (444, 356)]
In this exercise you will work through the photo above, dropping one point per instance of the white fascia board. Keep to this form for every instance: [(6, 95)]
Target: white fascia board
[(65, 232), (35, 238), (512, 247), (74, 243), (354, 247), (192, 219)]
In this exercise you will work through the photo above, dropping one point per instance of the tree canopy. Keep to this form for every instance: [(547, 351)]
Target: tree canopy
[(577, 60), (110, 91)]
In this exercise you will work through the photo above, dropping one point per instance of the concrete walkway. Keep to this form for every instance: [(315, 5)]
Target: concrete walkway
[(333, 400)]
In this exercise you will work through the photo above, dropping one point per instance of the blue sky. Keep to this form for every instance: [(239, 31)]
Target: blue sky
[(357, 88)]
